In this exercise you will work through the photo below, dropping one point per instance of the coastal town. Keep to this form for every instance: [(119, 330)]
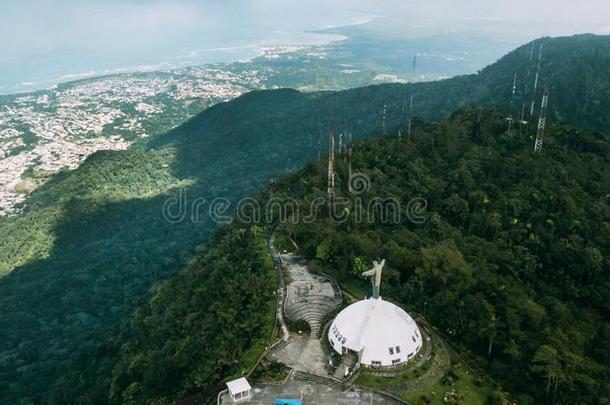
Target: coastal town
[(50, 130), (57, 129)]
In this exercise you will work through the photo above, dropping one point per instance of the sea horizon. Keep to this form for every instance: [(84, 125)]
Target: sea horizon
[(218, 53)]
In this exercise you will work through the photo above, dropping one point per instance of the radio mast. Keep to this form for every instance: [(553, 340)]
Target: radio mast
[(510, 108), (349, 162), (331, 165), (522, 120), (410, 116), (383, 120), (542, 121), (536, 80), (401, 117)]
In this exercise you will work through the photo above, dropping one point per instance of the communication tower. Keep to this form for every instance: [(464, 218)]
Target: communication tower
[(331, 165), (542, 121)]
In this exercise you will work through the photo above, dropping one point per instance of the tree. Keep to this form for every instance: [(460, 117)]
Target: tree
[(323, 250), (547, 364), (359, 266)]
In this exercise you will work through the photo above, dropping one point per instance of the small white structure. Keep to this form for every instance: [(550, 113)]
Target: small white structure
[(380, 333), (239, 389)]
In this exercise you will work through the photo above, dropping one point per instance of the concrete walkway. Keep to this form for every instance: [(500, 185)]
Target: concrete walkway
[(281, 290), (304, 354)]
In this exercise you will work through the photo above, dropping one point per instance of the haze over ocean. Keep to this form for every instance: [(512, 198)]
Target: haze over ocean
[(43, 43), (142, 36)]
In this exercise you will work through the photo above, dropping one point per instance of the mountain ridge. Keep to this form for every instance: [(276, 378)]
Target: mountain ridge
[(505, 277), (91, 230)]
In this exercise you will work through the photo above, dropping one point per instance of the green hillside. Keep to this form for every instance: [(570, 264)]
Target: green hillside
[(92, 242), (575, 69), (505, 253), (212, 319)]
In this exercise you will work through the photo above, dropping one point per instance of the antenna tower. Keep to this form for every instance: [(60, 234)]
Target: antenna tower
[(409, 123), (522, 120), (542, 121), (529, 70), (401, 117), (349, 162), (331, 165), (510, 108), (536, 80)]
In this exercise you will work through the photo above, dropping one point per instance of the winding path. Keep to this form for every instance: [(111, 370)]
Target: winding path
[(281, 290)]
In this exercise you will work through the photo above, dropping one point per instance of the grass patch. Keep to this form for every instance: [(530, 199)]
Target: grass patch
[(467, 386), (269, 371), (460, 385), (367, 379)]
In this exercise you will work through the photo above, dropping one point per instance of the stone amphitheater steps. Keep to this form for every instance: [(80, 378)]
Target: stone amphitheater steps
[(314, 320), (313, 378), (312, 309)]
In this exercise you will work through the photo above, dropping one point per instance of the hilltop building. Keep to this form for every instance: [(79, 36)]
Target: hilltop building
[(378, 332)]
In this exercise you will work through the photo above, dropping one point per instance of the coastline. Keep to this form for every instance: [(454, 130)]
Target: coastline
[(306, 39)]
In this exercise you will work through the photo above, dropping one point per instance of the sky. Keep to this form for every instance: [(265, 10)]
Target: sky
[(41, 38)]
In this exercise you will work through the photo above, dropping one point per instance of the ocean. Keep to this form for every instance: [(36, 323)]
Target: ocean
[(115, 39)]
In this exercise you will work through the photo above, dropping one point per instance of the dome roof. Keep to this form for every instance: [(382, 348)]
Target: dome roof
[(382, 332)]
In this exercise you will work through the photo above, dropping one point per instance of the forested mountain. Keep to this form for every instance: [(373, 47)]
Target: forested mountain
[(574, 69), (210, 321), (91, 242), (509, 258), (506, 254)]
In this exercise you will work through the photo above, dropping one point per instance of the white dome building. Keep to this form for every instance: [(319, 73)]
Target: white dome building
[(379, 332)]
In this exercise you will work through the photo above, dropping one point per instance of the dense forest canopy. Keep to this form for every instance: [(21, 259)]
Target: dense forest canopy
[(209, 322), (91, 242), (508, 259)]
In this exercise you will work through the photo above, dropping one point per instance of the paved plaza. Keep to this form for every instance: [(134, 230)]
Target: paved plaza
[(311, 394), (304, 354)]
